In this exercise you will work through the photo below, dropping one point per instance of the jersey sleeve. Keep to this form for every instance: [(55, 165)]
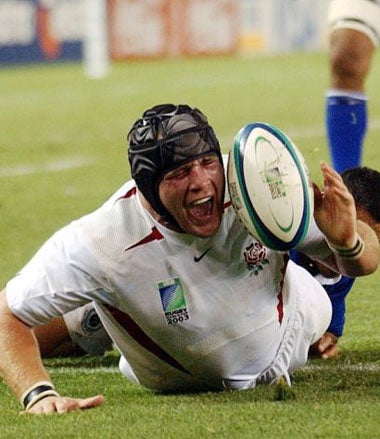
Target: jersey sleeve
[(61, 276), (315, 245)]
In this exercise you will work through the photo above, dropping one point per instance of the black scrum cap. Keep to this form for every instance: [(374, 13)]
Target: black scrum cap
[(167, 136)]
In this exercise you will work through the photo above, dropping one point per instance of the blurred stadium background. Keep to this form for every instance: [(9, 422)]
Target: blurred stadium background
[(93, 30)]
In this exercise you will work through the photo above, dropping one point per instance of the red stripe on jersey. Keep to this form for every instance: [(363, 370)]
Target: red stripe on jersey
[(155, 235), (143, 339), (129, 193), (280, 306)]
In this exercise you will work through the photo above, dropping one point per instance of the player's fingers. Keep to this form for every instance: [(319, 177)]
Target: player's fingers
[(327, 345), (91, 402), (318, 195), (64, 405), (333, 182), (335, 185), (329, 173), (326, 341), (70, 404), (331, 352)]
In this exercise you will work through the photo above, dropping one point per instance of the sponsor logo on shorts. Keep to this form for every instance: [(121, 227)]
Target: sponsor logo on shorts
[(173, 301)]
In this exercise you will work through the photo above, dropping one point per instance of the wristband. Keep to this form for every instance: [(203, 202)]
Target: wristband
[(38, 391), (349, 253)]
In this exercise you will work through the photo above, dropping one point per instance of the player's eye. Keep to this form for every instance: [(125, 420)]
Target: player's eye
[(209, 160), (178, 173)]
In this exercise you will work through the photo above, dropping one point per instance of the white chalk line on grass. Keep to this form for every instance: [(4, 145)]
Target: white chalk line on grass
[(80, 162), (358, 367), (53, 166), (62, 370)]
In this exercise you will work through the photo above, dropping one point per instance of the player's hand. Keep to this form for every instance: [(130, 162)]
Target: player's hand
[(326, 347), (60, 404), (334, 210)]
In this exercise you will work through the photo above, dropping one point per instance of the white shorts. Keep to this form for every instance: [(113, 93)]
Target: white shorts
[(360, 15), (87, 331), (306, 325)]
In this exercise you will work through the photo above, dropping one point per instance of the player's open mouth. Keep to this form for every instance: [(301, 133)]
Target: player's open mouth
[(202, 208)]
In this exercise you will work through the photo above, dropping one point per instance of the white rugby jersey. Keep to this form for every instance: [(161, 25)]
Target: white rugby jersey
[(186, 312)]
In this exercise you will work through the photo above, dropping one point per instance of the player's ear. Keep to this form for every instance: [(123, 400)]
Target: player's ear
[(363, 215)]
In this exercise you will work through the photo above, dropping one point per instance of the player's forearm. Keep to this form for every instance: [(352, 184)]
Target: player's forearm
[(367, 259), (20, 363)]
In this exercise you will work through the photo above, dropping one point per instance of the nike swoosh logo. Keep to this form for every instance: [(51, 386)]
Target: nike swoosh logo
[(198, 258)]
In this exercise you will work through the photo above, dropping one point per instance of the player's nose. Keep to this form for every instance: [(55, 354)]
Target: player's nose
[(199, 177)]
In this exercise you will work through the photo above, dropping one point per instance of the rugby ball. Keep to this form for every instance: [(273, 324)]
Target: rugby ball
[(270, 186)]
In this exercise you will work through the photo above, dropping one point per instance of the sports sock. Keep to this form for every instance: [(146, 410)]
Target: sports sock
[(346, 123), (337, 293)]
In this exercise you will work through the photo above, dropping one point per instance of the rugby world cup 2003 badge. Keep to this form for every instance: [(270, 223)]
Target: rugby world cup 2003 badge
[(173, 300)]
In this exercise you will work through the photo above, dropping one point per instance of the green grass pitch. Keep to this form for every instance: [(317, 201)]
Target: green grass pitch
[(63, 152)]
